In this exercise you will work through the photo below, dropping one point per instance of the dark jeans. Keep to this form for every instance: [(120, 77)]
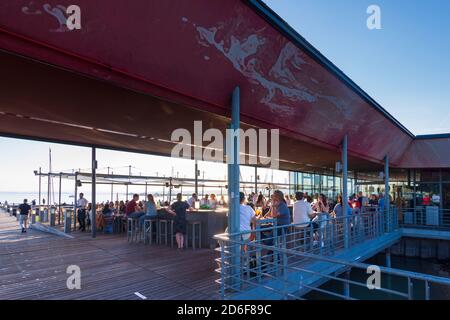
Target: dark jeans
[(82, 218)]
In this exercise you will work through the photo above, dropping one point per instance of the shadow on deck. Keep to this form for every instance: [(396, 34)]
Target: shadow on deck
[(33, 266)]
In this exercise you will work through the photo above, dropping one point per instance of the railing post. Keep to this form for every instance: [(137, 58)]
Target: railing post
[(410, 289), (233, 155), (427, 290), (347, 284), (320, 235), (93, 195), (285, 268), (387, 201), (75, 203), (388, 257), (222, 269), (258, 252), (332, 242)]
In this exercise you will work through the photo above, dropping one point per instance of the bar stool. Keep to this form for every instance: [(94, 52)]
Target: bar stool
[(195, 236), (163, 231), (132, 226), (150, 227)]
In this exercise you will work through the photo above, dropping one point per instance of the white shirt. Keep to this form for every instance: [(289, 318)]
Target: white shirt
[(213, 204), (247, 213), (301, 211), (82, 203), (191, 201)]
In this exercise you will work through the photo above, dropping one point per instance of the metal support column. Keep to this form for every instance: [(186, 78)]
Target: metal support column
[(388, 257), (203, 184), (233, 148), (344, 190), (40, 178), (196, 177), (387, 203), (170, 190), (414, 192), (256, 180), (75, 203), (94, 201), (47, 214), (59, 199), (347, 284), (112, 188)]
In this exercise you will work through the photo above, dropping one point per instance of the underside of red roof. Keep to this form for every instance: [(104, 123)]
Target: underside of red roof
[(167, 63)]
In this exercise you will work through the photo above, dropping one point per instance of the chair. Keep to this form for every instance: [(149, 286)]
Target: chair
[(150, 228), (196, 236), (163, 231), (108, 224), (132, 229)]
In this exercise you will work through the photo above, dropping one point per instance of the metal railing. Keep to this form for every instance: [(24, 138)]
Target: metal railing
[(287, 262), (431, 217)]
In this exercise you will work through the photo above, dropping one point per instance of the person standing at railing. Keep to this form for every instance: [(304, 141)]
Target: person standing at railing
[(322, 214), (373, 200), (338, 211)]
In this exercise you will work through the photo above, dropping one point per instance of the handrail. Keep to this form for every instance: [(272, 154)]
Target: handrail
[(360, 265), (293, 248)]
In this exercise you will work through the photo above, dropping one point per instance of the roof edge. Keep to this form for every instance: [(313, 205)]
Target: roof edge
[(276, 21), (433, 136)]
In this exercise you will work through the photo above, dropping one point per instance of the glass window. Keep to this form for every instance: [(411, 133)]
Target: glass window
[(429, 175), (428, 194), (446, 196), (446, 175)]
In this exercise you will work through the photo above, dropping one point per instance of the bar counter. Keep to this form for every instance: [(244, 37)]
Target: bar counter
[(212, 221)]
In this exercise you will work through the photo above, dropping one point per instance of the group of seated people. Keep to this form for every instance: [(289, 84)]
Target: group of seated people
[(306, 210), (114, 210), (208, 201)]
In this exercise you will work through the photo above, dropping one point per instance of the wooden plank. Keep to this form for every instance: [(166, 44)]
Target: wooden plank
[(33, 266)]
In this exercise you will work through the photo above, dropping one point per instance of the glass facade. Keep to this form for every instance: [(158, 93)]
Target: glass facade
[(316, 183)]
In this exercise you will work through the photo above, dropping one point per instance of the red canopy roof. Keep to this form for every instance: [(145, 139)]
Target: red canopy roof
[(137, 70)]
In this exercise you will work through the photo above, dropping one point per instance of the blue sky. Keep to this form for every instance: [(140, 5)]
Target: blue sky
[(405, 66)]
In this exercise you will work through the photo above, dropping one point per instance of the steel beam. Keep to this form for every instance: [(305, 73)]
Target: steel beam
[(94, 201), (386, 192), (344, 151)]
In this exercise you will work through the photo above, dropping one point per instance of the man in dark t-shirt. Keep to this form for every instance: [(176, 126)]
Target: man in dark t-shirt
[(25, 211), (178, 209)]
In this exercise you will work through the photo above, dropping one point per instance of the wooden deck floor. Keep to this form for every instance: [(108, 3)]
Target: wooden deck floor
[(33, 266)]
